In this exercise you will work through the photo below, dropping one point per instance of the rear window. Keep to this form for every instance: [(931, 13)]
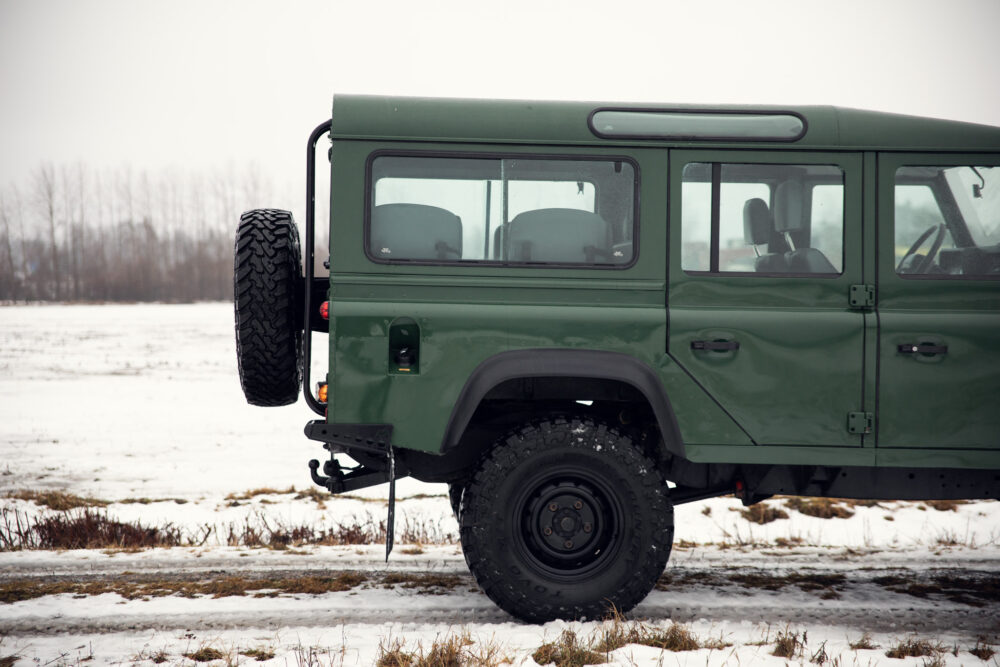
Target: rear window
[(504, 210)]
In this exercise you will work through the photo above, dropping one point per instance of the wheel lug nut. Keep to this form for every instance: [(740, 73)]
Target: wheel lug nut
[(547, 530), (578, 505), (587, 528), (568, 545), (553, 507)]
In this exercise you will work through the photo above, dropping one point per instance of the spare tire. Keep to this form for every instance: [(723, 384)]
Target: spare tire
[(268, 289)]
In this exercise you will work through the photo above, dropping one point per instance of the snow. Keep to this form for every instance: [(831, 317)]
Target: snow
[(121, 402)]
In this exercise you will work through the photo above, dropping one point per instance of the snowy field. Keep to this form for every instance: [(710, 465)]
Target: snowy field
[(136, 410)]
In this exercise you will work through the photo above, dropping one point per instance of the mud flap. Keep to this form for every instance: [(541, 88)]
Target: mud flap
[(391, 519)]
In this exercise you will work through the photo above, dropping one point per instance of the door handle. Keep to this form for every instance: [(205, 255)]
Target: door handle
[(715, 345), (922, 348)]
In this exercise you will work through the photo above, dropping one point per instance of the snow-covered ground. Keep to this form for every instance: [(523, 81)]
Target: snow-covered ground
[(139, 407)]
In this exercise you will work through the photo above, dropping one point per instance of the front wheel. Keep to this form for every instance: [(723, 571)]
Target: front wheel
[(566, 519)]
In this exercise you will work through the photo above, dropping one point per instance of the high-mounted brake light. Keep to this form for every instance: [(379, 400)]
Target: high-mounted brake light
[(321, 392), (324, 310)]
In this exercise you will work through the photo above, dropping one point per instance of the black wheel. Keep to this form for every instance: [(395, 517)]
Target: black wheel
[(566, 519), (268, 303)]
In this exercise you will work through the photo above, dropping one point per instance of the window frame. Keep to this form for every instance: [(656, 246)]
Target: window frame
[(498, 155), (716, 164)]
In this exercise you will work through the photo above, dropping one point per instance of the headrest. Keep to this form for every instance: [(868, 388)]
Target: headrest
[(415, 231), (756, 222), (788, 207), (559, 235)]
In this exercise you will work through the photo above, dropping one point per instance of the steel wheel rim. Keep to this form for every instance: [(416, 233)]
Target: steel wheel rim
[(567, 523)]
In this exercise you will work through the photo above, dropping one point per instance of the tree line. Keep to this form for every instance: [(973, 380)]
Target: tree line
[(75, 233)]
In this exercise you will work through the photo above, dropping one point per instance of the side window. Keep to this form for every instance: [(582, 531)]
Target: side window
[(827, 222), (762, 218), (947, 221), (518, 211)]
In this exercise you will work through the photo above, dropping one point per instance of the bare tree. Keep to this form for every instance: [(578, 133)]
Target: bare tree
[(45, 189), (8, 275)]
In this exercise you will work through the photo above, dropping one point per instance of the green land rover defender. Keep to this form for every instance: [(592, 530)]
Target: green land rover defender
[(580, 315)]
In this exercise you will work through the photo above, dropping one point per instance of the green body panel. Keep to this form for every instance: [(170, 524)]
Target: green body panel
[(806, 357)]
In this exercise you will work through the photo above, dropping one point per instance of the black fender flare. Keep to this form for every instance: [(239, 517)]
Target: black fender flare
[(542, 362)]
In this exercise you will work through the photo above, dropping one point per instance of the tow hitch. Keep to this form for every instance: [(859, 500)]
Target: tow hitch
[(370, 439)]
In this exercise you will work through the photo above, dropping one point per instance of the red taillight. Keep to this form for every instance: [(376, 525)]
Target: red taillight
[(324, 310)]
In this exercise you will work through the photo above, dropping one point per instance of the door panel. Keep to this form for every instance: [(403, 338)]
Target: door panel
[(946, 393), (798, 369)]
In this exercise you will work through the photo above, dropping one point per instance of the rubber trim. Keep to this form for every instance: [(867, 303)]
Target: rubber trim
[(597, 364)]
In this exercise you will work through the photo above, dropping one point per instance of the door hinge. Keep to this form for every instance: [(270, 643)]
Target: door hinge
[(860, 422), (862, 296)]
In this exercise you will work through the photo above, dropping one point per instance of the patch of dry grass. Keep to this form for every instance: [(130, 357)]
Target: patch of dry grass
[(911, 647), (945, 505), (425, 584), (865, 642), (789, 644), (150, 501), (86, 529), (58, 500), (568, 651), (982, 650), (206, 654), (261, 491), (762, 513), (572, 651), (95, 529), (260, 654), (453, 650), (822, 508), (675, 638), (219, 587)]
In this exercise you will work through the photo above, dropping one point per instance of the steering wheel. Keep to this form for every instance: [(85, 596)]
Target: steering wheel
[(923, 264)]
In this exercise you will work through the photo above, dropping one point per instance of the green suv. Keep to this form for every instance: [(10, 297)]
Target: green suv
[(580, 315)]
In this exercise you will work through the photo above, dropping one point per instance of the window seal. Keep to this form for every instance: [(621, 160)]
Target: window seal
[(495, 155)]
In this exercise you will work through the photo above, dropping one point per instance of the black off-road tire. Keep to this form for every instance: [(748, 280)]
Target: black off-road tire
[(268, 303), (566, 519)]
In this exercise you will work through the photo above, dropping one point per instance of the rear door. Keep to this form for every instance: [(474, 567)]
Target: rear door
[(768, 247), (939, 302)]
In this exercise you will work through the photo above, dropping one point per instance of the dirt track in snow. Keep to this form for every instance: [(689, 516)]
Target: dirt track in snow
[(865, 591)]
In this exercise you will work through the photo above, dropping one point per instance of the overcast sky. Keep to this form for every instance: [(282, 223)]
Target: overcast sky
[(206, 83)]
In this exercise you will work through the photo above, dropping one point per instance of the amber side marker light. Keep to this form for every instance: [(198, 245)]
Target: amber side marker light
[(321, 392), (324, 310)]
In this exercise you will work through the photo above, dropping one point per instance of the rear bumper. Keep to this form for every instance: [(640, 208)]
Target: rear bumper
[(369, 438)]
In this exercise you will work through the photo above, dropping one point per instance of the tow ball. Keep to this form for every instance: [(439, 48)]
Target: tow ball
[(332, 478)]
